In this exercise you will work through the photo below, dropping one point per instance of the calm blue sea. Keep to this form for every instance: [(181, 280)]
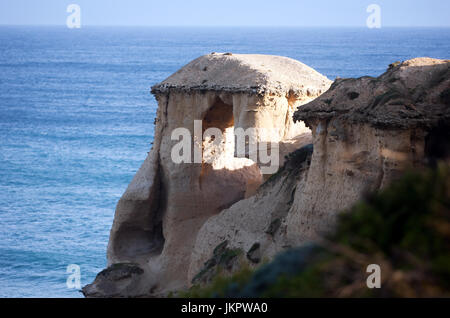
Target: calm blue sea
[(76, 121)]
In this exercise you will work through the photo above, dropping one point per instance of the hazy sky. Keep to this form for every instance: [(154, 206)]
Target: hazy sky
[(227, 12)]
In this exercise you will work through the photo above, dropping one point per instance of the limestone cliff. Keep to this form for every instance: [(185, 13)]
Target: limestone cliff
[(177, 223), (158, 217)]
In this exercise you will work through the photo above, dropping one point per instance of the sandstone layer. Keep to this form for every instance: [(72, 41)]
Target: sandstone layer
[(157, 219), (178, 224)]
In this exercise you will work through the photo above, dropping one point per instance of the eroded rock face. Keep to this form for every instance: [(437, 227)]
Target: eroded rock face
[(256, 226), (366, 132), (166, 204), (177, 222), (346, 164)]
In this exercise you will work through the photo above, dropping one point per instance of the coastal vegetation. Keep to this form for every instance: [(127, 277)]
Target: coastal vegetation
[(405, 229)]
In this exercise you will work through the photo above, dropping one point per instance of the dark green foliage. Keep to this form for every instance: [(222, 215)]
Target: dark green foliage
[(268, 275), (405, 229), (220, 285), (411, 217), (295, 161), (223, 258)]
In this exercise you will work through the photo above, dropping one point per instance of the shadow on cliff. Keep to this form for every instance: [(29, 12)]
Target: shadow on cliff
[(405, 229)]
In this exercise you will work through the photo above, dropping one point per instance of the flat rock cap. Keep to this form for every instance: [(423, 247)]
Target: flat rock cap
[(413, 93), (253, 73)]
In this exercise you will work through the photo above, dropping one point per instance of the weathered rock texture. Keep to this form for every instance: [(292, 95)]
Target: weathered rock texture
[(158, 217), (183, 222), (366, 131)]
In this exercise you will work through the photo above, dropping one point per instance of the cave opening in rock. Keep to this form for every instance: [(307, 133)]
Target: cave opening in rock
[(142, 235), (218, 132), (220, 115)]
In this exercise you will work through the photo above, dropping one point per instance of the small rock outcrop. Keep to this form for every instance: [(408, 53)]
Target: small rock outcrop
[(167, 202)]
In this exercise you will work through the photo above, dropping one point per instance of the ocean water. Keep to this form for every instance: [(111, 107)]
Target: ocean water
[(76, 122)]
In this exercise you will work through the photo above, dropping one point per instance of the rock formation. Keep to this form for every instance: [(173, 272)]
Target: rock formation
[(177, 224), (366, 131), (158, 217)]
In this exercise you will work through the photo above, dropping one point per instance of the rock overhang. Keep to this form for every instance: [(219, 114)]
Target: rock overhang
[(245, 73), (409, 94)]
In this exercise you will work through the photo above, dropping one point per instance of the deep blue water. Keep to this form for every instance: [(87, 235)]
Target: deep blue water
[(76, 121)]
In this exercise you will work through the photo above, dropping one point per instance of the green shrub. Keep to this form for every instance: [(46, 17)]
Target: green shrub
[(405, 229)]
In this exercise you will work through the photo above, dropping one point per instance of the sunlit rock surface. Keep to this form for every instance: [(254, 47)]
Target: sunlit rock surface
[(158, 217), (366, 132)]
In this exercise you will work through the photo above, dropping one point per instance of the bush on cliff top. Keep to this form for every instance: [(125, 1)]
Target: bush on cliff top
[(405, 229)]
